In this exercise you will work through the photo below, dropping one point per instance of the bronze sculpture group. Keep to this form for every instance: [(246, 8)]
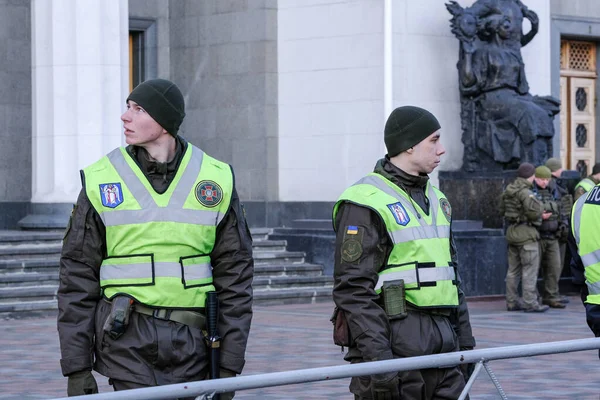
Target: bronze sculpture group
[(503, 124)]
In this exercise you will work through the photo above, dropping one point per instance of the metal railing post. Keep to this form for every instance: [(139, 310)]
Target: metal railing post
[(471, 381)]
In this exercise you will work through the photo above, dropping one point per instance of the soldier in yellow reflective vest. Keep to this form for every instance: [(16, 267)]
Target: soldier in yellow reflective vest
[(584, 243), (157, 225), (397, 290), (586, 184)]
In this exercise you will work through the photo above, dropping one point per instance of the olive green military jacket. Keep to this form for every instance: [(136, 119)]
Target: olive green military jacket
[(522, 212)]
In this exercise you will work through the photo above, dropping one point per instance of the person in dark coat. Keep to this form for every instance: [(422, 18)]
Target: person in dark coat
[(396, 281), (584, 244), (157, 225)]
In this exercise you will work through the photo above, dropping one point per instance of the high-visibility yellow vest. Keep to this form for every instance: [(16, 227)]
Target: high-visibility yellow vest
[(587, 184), (421, 252), (159, 245), (585, 223)]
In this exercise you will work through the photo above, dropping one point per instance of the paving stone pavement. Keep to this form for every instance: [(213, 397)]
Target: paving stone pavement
[(299, 336)]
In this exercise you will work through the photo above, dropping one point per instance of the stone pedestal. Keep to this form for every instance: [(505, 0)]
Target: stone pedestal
[(476, 195), (482, 260)]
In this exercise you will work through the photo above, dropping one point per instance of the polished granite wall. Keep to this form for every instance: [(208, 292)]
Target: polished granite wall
[(476, 196)]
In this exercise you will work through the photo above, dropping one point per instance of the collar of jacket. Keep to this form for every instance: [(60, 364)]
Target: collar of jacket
[(151, 167), (397, 176)]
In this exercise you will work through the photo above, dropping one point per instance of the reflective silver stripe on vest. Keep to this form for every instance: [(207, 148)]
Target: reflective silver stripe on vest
[(420, 232), (381, 185), (591, 258), (577, 217), (125, 217), (593, 288), (150, 211), (161, 270), (425, 231), (143, 197), (425, 275), (434, 205), (181, 192)]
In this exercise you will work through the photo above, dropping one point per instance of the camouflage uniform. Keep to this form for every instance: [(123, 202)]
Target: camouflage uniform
[(551, 230), (566, 204), (522, 212)]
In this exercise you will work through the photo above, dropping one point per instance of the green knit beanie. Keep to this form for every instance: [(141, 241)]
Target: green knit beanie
[(543, 172), (406, 127), (554, 164), (163, 101)]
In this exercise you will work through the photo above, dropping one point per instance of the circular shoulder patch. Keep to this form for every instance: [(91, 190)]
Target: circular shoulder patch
[(351, 250), (446, 209), (209, 193)]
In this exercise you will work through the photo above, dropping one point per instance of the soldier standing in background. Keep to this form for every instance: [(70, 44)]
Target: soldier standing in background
[(586, 184), (523, 214), (565, 199), (550, 262)]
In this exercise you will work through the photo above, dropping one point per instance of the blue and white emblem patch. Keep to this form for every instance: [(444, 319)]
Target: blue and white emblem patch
[(399, 213), (111, 194)]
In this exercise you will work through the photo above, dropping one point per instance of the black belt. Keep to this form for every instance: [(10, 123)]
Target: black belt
[(444, 312), (190, 318)]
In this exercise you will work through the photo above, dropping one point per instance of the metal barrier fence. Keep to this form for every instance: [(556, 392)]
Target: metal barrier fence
[(202, 389)]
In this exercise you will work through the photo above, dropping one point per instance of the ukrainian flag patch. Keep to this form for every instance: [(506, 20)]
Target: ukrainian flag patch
[(352, 230)]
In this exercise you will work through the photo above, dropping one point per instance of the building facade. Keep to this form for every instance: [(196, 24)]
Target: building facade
[(293, 94)]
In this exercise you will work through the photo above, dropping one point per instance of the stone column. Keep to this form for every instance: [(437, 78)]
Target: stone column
[(80, 81)]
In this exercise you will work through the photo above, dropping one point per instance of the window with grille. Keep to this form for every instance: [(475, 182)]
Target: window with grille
[(579, 56)]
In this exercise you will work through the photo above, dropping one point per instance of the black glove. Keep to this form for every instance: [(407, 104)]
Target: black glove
[(385, 386), (563, 232), (81, 383), (225, 373)]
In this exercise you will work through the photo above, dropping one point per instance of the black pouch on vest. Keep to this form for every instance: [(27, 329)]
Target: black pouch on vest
[(341, 330), (394, 299), (118, 319)]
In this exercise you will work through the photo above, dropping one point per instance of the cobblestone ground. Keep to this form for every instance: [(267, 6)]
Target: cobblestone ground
[(299, 336)]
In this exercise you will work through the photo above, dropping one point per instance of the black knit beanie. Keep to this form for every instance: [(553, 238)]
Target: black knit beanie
[(526, 170), (163, 100), (406, 127)]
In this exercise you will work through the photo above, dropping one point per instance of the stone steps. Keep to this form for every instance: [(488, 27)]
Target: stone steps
[(33, 264), (276, 269), (278, 257), (36, 292), (28, 250), (34, 308), (288, 282), (292, 296), (29, 264), (21, 279)]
